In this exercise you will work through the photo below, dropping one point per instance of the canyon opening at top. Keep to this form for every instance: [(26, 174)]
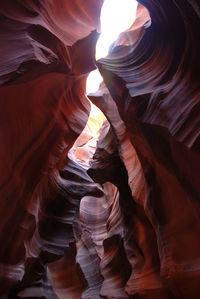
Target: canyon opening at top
[(116, 17)]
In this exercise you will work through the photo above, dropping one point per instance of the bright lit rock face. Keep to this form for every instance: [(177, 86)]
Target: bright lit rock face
[(127, 224)]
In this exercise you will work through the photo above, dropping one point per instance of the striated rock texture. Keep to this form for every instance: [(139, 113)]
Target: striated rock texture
[(156, 90), (125, 222), (43, 111)]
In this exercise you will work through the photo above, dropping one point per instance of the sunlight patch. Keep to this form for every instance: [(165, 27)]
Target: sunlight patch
[(116, 17)]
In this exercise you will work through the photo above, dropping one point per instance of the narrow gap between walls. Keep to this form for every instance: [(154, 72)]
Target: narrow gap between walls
[(116, 17)]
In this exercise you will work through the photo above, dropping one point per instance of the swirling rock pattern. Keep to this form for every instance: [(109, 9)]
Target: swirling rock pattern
[(157, 95), (125, 224), (43, 111), (139, 239), (58, 210), (136, 225)]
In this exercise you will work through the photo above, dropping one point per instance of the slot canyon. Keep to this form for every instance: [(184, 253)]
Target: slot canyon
[(99, 189)]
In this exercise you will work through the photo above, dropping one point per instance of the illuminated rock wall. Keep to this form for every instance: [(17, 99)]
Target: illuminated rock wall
[(127, 227), (43, 111), (156, 90)]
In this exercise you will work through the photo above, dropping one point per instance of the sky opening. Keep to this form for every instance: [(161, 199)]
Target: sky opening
[(116, 17)]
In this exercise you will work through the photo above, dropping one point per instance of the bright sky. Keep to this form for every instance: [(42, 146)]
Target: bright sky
[(116, 17)]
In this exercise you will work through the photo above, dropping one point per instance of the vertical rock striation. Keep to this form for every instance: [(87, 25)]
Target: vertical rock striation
[(155, 88), (125, 223)]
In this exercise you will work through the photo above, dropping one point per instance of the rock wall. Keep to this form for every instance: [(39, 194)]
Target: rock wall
[(127, 225)]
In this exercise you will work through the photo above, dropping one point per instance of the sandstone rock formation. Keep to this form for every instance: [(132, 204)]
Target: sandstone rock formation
[(123, 223)]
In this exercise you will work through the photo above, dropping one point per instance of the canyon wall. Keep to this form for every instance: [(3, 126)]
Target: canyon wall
[(126, 223)]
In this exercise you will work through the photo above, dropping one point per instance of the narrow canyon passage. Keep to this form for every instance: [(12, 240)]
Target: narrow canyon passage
[(99, 149)]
